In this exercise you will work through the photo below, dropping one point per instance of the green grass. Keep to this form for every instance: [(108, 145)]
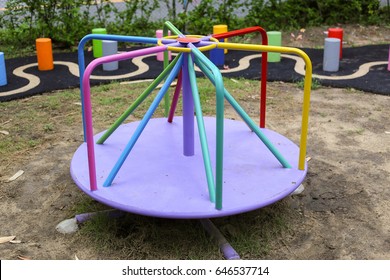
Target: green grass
[(315, 84), (137, 237)]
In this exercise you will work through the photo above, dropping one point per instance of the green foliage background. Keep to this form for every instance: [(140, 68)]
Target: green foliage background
[(67, 21)]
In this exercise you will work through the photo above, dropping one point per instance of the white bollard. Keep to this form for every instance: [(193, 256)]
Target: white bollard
[(109, 48), (331, 55)]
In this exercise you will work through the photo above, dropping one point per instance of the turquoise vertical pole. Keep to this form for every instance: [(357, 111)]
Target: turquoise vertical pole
[(220, 122), (201, 130)]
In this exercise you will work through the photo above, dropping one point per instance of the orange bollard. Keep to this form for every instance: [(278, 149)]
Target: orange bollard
[(44, 54)]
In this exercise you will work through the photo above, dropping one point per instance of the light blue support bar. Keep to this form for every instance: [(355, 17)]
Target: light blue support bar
[(247, 119), (81, 58), (143, 123), (201, 130), (138, 101)]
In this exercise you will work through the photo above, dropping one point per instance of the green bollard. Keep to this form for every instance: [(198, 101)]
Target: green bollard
[(274, 39), (97, 45)]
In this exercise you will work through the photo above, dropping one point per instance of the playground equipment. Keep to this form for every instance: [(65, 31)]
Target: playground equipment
[(188, 166)]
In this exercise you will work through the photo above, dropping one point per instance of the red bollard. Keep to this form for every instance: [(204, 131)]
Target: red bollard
[(337, 33)]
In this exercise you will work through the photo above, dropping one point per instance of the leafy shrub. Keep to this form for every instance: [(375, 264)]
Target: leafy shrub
[(135, 18), (289, 14), (208, 13), (67, 21), (63, 21)]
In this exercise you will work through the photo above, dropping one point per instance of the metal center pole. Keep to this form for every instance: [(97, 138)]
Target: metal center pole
[(188, 111)]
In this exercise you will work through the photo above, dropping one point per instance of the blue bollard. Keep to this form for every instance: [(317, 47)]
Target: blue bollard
[(217, 56), (3, 73)]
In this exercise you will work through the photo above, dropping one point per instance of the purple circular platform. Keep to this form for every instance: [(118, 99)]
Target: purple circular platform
[(158, 180)]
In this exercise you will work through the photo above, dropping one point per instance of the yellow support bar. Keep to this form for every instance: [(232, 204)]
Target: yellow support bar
[(306, 88)]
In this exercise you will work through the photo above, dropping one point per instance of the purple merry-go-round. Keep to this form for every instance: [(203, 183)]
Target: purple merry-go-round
[(189, 166)]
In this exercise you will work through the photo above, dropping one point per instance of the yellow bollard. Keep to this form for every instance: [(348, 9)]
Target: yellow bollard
[(221, 28)]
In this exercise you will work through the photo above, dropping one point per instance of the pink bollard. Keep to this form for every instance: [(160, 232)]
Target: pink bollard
[(160, 55), (388, 65)]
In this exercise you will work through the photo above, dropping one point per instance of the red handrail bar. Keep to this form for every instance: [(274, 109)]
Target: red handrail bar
[(264, 64)]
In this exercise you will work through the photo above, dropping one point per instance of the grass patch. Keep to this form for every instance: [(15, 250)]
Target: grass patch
[(138, 237), (315, 84)]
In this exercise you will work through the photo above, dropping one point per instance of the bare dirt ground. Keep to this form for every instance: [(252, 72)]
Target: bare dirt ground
[(343, 213)]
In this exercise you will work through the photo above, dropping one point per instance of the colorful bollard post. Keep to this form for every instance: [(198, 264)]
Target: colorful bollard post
[(109, 48), (221, 28), (97, 45), (337, 33), (44, 54), (331, 55), (388, 65), (3, 72), (160, 55), (217, 56), (274, 39)]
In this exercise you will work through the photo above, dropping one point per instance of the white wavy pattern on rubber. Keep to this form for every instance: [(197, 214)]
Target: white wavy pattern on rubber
[(363, 69), (33, 80), (142, 67)]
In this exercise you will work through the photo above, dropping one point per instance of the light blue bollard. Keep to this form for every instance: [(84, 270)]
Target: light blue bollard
[(110, 48), (3, 73), (331, 55)]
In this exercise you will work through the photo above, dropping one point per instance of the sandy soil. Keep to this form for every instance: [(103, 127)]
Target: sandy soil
[(343, 213)]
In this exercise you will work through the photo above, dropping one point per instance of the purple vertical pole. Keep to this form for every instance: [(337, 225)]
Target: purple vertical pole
[(188, 110)]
